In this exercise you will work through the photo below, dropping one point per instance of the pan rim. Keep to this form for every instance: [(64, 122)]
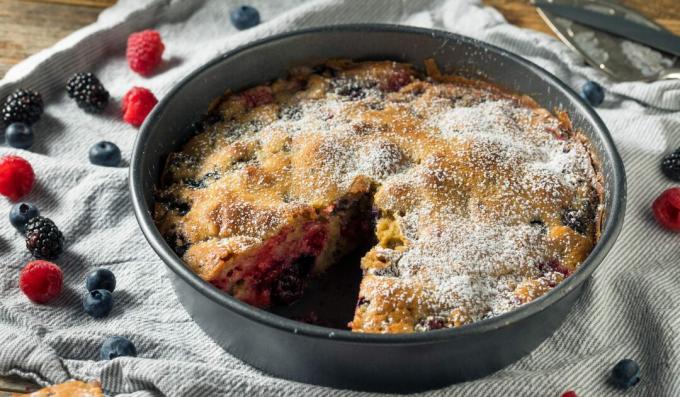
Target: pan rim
[(612, 226)]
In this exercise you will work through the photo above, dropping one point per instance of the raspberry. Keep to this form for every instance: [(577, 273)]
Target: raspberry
[(144, 51), (24, 106), (399, 78), (137, 104), (666, 209), (554, 265), (43, 238), (569, 393), (41, 281), (257, 96), (16, 177), (88, 91)]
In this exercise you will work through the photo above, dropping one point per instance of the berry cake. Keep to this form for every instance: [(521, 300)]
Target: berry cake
[(467, 200)]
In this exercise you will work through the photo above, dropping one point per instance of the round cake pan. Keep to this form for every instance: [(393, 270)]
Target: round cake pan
[(339, 358)]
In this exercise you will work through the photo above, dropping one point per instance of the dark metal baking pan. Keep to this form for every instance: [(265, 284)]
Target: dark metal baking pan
[(339, 358)]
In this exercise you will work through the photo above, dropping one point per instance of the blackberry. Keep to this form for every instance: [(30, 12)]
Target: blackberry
[(291, 283), (436, 323), (670, 165), (43, 238), (88, 92), (575, 219), (23, 106)]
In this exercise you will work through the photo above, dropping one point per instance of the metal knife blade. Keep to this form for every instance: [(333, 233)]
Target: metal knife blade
[(659, 39)]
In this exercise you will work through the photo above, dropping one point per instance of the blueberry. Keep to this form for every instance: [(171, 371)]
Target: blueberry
[(592, 93), (19, 135), (98, 303), (105, 154), (117, 346), (21, 213), (100, 279), (244, 17), (626, 374)]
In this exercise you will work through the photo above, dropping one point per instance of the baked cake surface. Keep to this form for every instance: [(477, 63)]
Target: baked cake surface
[(478, 199), (71, 388)]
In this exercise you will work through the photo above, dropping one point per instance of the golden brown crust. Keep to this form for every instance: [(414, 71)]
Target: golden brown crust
[(72, 388), (485, 200)]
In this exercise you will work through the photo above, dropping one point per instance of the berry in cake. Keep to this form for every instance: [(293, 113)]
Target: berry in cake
[(21, 213), (137, 104), (117, 346), (105, 154), (22, 106), (625, 374), (19, 135), (257, 96), (98, 303), (666, 209), (41, 281), (88, 92), (144, 51), (101, 279), (466, 200), (593, 93), (244, 17), (290, 285), (16, 177), (670, 165), (43, 238)]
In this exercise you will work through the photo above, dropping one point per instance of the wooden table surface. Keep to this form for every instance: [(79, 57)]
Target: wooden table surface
[(28, 26)]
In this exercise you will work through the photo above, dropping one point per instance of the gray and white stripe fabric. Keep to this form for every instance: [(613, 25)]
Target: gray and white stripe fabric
[(630, 308)]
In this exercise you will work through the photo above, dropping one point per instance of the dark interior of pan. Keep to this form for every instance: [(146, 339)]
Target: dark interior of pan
[(339, 358)]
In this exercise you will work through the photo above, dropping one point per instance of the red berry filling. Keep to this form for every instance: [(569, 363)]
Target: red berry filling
[(257, 96), (555, 266), (279, 269), (666, 209), (16, 177), (398, 79), (41, 281)]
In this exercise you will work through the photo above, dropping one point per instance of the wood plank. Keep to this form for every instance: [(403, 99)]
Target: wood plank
[(14, 384), (88, 3), (522, 13), (27, 27)]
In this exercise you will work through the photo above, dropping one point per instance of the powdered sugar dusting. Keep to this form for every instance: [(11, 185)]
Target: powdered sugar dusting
[(476, 182)]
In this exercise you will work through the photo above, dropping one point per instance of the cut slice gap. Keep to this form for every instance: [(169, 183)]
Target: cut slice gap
[(330, 297), (275, 272)]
